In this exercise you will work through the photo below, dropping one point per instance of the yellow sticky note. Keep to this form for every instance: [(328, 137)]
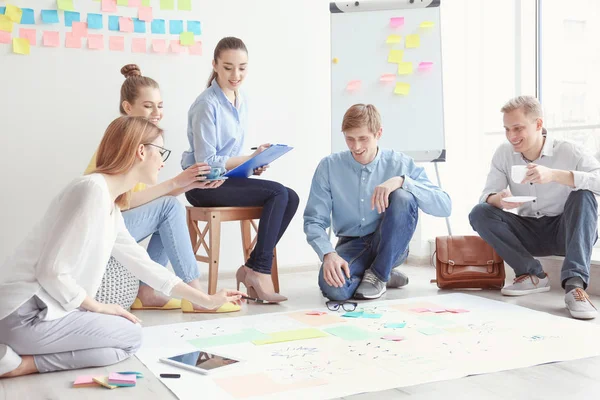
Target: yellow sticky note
[(405, 68), (402, 88), (335, 60), (65, 5), (13, 13), (426, 24), (103, 381), (395, 56), (20, 46), (289, 336), (186, 38), (393, 39), (413, 41), (6, 24)]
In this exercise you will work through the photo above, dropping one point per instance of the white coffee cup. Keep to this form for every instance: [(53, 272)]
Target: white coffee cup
[(517, 173)]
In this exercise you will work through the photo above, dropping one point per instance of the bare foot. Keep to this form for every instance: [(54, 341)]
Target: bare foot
[(27, 367), (150, 298)]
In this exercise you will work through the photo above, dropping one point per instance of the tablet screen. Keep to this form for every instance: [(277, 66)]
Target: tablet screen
[(203, 360)]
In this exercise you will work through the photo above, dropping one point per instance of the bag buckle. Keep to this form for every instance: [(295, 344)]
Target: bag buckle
[(451, 262), (490, 262)]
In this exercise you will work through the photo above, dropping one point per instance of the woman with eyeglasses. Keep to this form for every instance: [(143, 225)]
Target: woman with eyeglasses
[(49, 320), (154, 211)]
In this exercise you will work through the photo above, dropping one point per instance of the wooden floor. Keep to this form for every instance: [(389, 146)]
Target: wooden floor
[(576, 379)]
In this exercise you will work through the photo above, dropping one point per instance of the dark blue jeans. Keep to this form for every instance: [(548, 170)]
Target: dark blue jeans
[(279, 205), (518, 239), (381, 250)]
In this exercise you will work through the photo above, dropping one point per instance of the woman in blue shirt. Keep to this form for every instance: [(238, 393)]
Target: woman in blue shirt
[(216, 131)]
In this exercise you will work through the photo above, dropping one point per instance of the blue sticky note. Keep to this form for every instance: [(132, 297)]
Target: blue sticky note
[(27, 18), (175, 27), (113, 23), (158, 26), (194, 26), (395, 325), (50, 16), (94, 21), (353, 314), (369, 315), (2, 10), (70, 17), (139, 26)]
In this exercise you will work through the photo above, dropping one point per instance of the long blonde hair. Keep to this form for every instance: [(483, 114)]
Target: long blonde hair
[(117, 151)]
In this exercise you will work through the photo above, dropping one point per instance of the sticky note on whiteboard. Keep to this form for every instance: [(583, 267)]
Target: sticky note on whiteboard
[(402, 89), (387, 78), (425, 66), (405, 68), (396, 22), (353, 86), (392, 39), (427, 24), (413, 41), (395, 56)]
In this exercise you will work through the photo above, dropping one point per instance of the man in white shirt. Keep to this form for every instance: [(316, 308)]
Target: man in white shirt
[(559, 218)]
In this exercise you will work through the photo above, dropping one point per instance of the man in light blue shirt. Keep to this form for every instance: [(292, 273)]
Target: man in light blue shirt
[(372, 196), (557, 213)]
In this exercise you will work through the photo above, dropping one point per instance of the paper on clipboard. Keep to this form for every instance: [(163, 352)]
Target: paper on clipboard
[(247, 168)]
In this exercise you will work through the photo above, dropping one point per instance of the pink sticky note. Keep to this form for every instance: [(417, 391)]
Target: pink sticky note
[(51, 39), (159, 45), (388, 78), (84, 381), (353, 85), (316, 313), (72, 41), (176, 47), (196, 49), (419, 310), (396, 22), (95, 42), (393, 338), (425, 66), (135, 3), (80, 29), (116, 43), (125, 24), (138, 45), (145, 13), (109, 5), (457, 310), (5, 37), (29, 34), (115, 377), (437, 310)]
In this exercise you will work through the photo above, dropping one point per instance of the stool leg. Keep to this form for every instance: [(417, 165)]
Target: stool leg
[(274, 272), (246, 239), (214, 222)]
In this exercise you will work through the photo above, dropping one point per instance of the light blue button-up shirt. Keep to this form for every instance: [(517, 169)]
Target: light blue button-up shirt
[(216, 128), (342, 188)]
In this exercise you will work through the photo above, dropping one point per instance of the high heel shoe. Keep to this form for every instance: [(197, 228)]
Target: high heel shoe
[(256, 288), (240, 276)]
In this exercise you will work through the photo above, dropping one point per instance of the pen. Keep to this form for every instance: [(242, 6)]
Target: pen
[(253, 148), (254, 299)]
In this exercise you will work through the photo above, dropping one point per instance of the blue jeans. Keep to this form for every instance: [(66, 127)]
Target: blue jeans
[(381, 250), (279, 205), (164, 219), (518, 239)]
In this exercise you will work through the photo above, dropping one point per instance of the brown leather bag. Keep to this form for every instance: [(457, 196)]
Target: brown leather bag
[(467, 262)]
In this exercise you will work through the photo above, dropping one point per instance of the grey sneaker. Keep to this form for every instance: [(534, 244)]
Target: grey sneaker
[(579, 304), (397, 279), (370, 287), (527, 284), (9, 360)]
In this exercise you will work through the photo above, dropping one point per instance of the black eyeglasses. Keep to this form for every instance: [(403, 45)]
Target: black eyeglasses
[(164, 153), (346, 305)]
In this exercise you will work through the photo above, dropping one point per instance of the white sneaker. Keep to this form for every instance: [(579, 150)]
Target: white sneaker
[(579, 304), (527, 284), (9, 360)]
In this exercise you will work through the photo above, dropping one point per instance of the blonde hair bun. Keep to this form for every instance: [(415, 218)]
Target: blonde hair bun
[(131, 70)]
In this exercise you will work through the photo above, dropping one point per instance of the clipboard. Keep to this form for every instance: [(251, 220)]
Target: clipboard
[(247, 168)]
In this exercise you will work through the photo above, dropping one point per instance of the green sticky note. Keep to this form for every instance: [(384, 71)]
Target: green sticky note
[(245, 336), (146, 3), (349, 332), (65, 5), (186, 38), (185, 5), (289, 336), (167, 4), (123, 3)]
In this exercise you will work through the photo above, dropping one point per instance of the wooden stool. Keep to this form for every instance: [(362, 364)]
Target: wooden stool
[(213, 216)]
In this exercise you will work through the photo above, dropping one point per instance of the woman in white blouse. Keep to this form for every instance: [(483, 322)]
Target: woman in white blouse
[(49, 320)]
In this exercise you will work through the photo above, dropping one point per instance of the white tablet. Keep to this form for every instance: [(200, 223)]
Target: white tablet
[(200, 361)]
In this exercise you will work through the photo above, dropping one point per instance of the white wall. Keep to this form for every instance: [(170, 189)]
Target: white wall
[(56, 103)]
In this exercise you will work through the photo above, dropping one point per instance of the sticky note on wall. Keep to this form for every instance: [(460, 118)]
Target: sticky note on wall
[(5, 37), (396, 22), (195, 27), (395, 56), (6, 24), (29, 34), (13, 13), (71, 17), (167, 4), (109, 6), (425, 65), (27, 18), (405, 68), (94, 21), (388, 78), (184, 5), (402, 89), (353, 86), (21, 46), (427, 24), (413, 41), (158, 26), (50, 16), (65, 5), (51, 39), (392, 39), (145, 13)]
